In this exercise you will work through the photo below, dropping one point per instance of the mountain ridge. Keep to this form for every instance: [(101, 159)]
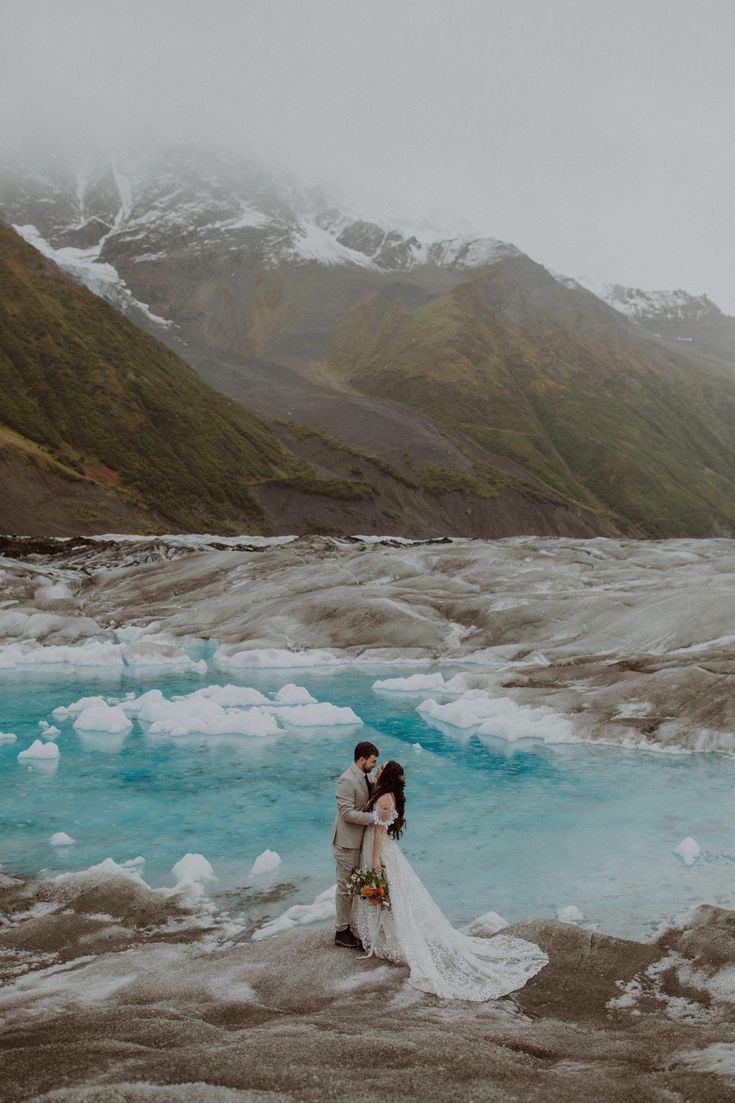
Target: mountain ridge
[(446, 360)]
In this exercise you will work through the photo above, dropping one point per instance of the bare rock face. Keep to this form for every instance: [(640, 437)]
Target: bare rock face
[(113, 992)]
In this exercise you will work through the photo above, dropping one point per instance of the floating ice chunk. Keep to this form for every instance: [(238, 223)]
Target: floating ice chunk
[(294, 695), (265, 863), (132, 862), (8, 737), (323, 907), (417, 747), (38, 749), (193, 869), (319, 715), (195, 715), (688, 850), (50, 732), (501, 718), (272, 658), (233, 696), (133, 706), (61, 839), (103, 718), (63, 712), (43, 724), (456, 713), (570, 914), (412, 684), (485, 925)]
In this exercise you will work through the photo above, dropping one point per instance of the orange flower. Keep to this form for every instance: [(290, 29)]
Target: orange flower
[(366, 890)]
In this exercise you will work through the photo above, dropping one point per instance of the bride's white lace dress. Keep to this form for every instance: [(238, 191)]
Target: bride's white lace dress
[(415, 932)]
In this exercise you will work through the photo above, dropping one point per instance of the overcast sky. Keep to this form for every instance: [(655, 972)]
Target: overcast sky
[(595, 134)]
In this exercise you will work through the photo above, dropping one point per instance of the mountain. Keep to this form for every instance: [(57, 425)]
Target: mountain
[(552, 379), (675, 316), (102, 426), (468, 389)]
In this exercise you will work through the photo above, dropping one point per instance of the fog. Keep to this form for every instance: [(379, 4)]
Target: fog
[(597, 136)]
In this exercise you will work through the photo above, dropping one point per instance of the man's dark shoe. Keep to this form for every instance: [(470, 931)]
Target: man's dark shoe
[(347, 939)]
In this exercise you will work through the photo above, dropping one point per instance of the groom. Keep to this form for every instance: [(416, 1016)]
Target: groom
[(353, 793)]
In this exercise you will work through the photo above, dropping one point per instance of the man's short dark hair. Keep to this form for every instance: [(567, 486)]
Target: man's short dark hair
[(364, 750)]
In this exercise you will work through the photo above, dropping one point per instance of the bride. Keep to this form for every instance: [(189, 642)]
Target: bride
[(415, 932)]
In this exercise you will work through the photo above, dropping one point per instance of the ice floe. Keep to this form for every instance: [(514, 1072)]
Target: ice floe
[(570, 914), (688, 850), (8, 737), (265, 863), (38, 750), (103, 718), (412, 684), (235, 696), (500, 717), (291, 694), (321, 714), (60, 838)]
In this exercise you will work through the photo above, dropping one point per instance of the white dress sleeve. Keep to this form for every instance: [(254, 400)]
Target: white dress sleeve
[(389, 816)]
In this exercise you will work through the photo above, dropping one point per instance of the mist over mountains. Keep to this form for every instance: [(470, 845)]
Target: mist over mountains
[(467, 388)]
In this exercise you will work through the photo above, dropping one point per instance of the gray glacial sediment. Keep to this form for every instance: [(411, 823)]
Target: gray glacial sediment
[(629, 641), (112, 993)]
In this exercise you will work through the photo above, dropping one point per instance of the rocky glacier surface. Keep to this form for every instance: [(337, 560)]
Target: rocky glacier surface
[(622, 641)]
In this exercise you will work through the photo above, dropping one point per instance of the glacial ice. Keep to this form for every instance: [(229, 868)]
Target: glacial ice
[(688, 850), (193, 869), (322, 908), (617, 621), (291, 694), (570, 914), (265, 863), (412, 684), (321, 714), (103, 718), (233, 696), (61, 839), (272, 657), (39, 750), (500, 717), (486, 925), (8, 737)]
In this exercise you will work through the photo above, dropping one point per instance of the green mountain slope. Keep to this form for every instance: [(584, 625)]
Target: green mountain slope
[(555, 380), (115, 406)]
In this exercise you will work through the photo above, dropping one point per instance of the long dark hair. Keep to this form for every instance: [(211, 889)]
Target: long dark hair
[(392, 780)]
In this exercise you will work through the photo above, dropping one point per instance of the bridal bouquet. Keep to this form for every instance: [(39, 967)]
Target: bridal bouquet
[(371, 887)]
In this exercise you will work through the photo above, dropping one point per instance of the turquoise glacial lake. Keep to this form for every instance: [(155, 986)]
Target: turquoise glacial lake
[(523, 829)]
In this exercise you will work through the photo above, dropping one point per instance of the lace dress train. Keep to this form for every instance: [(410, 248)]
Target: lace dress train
[(442, 960)]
